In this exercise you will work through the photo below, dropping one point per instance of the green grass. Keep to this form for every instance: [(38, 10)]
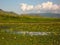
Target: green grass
[(14, 39), (15, 22), (43, 27)]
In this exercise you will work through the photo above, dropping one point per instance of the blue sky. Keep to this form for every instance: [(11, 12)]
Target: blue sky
[(14, 5)]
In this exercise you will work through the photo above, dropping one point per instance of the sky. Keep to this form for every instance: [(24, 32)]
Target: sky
[(31, 6)]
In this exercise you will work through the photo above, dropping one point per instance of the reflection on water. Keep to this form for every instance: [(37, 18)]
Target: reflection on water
[(27, 32), (30, 33)]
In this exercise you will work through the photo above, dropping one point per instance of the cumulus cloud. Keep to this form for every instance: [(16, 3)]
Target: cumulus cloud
[(26, 7), (50, 6), (37, 7), (46, 6)]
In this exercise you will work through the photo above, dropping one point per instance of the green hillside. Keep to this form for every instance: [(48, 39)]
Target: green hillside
[(13, 17)]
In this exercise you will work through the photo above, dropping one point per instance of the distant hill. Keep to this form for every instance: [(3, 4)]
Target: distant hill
[(52, 15), (6, 16), (7, 13)]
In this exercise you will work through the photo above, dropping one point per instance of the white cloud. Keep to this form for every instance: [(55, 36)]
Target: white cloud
[(46, 6), (25, 7), (37, 7), (50, 6), (55, 7)]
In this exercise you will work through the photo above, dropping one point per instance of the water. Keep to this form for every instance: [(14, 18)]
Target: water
[(30, 33), (27, 32)]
